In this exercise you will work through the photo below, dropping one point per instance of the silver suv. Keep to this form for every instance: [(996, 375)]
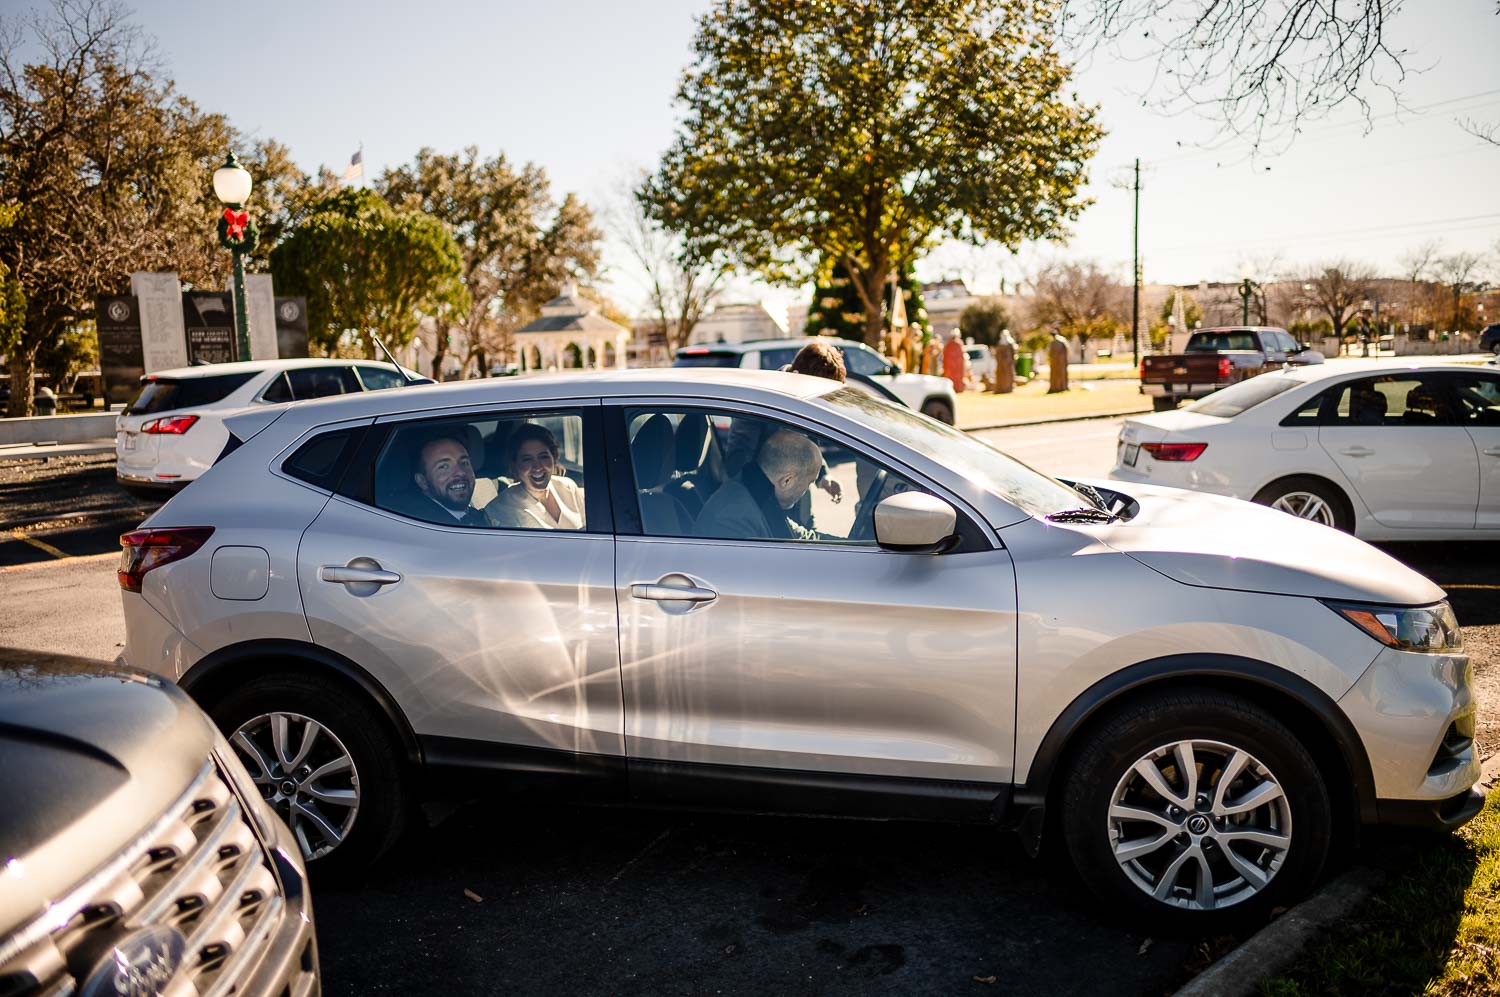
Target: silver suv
[(766, 591)]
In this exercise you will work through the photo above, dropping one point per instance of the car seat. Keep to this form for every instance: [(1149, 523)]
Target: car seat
[(700, 464), (1423, 406), (1367, 406), (653, 450)]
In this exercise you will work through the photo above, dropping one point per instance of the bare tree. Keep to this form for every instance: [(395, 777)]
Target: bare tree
[(1488, 131), (1260, 68), (1336, 290), (1080, 299), (1456, 271), (680, 286)]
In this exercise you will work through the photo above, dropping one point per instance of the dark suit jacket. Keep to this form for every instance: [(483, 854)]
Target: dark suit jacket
[(420, 506), (745, 508)]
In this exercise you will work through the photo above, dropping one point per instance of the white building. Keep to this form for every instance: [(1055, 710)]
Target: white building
[(737, 324)]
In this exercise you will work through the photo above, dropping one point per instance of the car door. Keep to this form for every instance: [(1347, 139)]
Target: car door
[(1477, 404), (1395, 440), (497, 642), (809, 670)]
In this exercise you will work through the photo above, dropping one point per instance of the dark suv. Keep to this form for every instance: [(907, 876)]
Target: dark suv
[(138, 854)]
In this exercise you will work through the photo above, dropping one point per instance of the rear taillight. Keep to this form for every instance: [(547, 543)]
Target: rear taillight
[(1174, 451), (1225, 366), (1143, 370), (143, 550), (174, 424)]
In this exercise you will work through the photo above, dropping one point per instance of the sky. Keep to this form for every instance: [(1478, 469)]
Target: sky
[(585, 89)]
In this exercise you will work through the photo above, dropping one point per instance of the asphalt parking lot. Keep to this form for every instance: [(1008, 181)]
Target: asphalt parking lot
[(494, 895)]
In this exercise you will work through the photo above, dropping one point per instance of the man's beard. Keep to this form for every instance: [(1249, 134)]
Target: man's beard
[(456, 502)]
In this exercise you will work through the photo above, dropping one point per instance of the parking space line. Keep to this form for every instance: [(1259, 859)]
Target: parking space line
[(32, 565), (38, 544), (640, 855), (1488, 588)]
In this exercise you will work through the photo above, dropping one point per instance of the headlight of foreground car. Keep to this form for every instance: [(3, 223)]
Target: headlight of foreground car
[(1424, 629)]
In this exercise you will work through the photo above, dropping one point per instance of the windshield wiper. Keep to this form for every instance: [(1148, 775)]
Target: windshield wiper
[(1084, 515)]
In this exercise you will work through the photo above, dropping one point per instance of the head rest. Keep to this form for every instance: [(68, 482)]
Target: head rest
[(653, 450)]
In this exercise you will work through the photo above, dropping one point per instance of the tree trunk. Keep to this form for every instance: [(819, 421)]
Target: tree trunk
[(484, 363), (22, 367), (873, 298), (439, 353)]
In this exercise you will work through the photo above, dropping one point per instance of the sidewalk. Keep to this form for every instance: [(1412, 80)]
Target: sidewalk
[(1030, 403)]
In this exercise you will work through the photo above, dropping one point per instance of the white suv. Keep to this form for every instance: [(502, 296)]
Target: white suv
[(925, 393), (174, 429)]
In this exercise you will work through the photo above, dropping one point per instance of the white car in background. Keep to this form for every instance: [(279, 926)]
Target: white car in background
[(925, 393), (1385, 450), (173, 430), (981, 362)]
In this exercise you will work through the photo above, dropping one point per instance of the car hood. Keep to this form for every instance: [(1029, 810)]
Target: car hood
[(93, 755), (1224, 543)]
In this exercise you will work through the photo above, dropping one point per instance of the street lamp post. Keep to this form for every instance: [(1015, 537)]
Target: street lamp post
[(239, 235), (1248, 288)]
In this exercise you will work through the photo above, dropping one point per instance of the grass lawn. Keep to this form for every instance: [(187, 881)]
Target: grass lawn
[(1031, 401), (1433, 928)]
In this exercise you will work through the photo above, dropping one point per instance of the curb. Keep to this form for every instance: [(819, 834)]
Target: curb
[(1044, 420), (1264, 953)]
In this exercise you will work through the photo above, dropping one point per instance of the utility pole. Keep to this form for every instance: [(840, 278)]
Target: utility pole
[(1135, 275)]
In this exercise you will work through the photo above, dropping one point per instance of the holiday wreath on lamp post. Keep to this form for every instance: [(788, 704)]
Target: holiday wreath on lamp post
[(238, 231)]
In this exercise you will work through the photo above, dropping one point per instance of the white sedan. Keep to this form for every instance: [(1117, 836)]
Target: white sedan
[(1386, 450)]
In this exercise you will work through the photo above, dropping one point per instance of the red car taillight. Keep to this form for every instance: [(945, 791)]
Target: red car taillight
[(1143, 370), (1174, 451), (175, 424), (143, 550), (1225, 366)]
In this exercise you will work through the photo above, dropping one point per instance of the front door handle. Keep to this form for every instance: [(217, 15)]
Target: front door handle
[(1492, 452), (362, 575), (657, 592), (1357, 452)]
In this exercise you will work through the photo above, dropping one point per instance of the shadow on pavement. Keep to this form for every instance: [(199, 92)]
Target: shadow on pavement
[(580, 900), (1469, 571)]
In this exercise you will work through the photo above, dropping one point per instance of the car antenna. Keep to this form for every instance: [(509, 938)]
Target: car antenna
[(399, 369)]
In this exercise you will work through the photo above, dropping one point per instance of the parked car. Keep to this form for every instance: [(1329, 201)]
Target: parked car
[(1385, 450), (981, 363), (139, 855), (1489, 339), (925, 393), (171, 432), (1201, 694), (1218, 357)]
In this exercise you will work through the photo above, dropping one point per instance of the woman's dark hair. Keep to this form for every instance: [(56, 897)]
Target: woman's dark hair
[(529, 431)]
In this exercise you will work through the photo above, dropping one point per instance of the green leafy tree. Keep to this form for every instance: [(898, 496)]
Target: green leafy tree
[(984, 321), (838, 311), (517, 245), (866, 131), (369, 270)]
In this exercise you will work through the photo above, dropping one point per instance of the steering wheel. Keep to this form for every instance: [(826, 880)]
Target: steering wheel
[(864, 519)]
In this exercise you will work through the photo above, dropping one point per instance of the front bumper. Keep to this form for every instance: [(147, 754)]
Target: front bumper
[(1433, 815), (1179, 390)]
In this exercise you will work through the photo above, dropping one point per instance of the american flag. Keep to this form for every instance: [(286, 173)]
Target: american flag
[(356, 166)]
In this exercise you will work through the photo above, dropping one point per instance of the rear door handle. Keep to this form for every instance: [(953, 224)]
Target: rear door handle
[(1492, 452), (362, 575), (1357, 452), (657, 592)]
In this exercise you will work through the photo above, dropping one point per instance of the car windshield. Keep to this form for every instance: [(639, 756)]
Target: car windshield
[(1231, 401), (707, 360), (1219, 342), (166, 394), (1030, 491)]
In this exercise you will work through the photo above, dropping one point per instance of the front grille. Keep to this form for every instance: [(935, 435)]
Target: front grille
[(200, 870)]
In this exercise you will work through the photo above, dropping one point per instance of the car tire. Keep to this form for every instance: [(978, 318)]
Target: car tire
[(1256, 860), (348, 729), (1310, 498), (1160, 404), (939, 409)]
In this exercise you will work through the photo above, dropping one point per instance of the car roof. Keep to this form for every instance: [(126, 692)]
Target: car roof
[(258, 367), (1382, 365), (759, 344)]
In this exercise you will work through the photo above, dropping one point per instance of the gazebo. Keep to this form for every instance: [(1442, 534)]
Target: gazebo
[(570, 323)]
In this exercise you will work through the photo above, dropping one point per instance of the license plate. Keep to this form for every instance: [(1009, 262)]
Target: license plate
[(129, 441), (1132, 454)]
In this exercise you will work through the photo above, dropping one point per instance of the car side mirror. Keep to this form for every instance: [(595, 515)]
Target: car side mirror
[(915, 523), (892, 370)]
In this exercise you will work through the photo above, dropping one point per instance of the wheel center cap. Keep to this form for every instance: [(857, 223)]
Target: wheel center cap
[(288, 788), (1198, 824)]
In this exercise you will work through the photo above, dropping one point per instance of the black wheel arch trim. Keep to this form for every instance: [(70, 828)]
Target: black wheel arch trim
[(1186, 667), (206, 674)]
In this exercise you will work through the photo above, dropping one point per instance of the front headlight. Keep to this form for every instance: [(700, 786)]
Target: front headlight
[(1424, 629)]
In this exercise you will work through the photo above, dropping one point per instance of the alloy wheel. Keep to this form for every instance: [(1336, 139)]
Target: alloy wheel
[(1306, 505), (1199, 824), (305, 773)]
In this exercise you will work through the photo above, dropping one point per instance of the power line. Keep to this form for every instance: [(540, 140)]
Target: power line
[(1460, 224)]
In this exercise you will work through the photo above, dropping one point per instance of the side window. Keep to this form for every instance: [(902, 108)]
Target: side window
[(518, 470), (1391, 400), (728, 476), (321, 459), (379, 378), (320, 382), (1309, 412), (1477, 397), (776, 359), (861, 361), (278, 390)]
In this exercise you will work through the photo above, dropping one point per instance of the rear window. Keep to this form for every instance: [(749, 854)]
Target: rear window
[(168, 394), (1231, 401), (1219, 342), (707, 360)]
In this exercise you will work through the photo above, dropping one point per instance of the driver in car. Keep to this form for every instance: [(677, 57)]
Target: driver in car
[(758, 502)]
